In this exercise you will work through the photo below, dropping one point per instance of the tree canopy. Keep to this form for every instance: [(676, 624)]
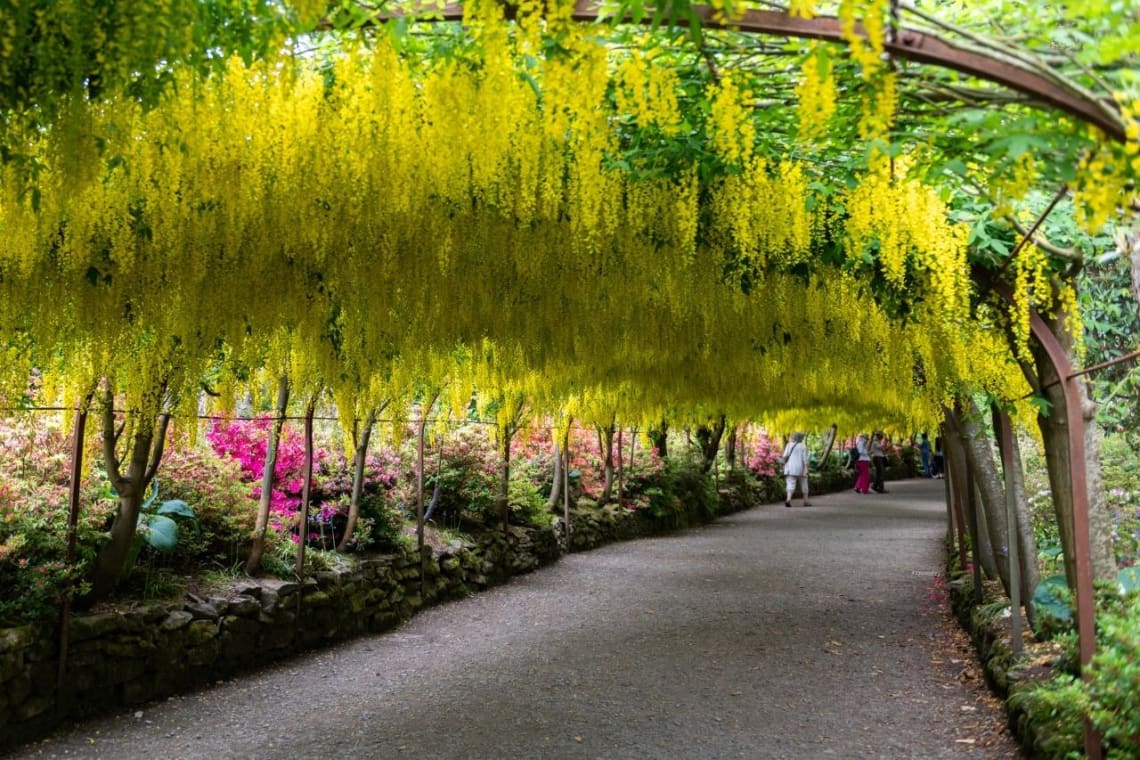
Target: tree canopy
[(608, 217)]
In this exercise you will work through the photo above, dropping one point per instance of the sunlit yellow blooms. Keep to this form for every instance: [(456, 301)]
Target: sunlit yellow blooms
[(1006, 191), (1068, 305), (907, 223), (802, 8), (648, 92), (1105, 185), (878, 107), (816, 93), (395, 227), (764, 212), (863, 23), (734, 137), (1032, 289)]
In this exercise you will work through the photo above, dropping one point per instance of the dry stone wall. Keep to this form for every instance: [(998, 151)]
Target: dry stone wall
[(122, 658)]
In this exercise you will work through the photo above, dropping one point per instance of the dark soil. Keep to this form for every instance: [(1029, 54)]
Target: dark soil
[(774, 633)]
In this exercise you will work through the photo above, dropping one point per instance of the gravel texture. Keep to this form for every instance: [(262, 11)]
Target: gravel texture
[(774, 633)]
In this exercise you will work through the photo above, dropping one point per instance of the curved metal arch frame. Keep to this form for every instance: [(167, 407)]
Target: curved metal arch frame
[(908, 44), (1086, 613)]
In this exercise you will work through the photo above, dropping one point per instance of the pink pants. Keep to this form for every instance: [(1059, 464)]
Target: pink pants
[(863, 479)]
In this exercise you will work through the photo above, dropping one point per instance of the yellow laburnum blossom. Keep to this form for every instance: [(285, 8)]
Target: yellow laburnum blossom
[(734, 136), (817, 95)]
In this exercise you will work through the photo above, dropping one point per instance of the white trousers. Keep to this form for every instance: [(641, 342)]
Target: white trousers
[(792, 480)]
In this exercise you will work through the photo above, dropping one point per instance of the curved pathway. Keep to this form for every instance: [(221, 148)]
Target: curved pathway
[(773, 633)]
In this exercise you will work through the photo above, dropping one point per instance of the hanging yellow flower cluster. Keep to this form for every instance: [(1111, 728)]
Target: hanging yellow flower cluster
[(907, 226), (816, 93), (1106, 181), (396, 223), (866, 43)]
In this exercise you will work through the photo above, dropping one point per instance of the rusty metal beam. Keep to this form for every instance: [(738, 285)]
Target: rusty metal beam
[(73, 507), (907, 44), (1086, 613)]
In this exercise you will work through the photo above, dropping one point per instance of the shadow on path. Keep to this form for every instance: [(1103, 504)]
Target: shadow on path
[(773, 633)]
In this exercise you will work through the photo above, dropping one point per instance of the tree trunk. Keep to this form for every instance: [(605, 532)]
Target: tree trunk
[(730, 448), (253, 563), (708, 438), (561, 466), (505, 476), (660, 438), (966, 419), (620, 466), (145, 454), (1054, 433), (606, 440), (964, 479), (556, 477), (954, 505), (1026, 538), (306, 488), (359, 460)]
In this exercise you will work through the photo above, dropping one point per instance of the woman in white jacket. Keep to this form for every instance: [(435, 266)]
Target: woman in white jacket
[(796, 468)]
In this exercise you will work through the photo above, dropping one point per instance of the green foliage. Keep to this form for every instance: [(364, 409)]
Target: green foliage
[(1111, 319), (1056, 709), (686, 484), (34, 573), (1114, 679), (1053, 603), (1120, 469), (224, 511), (526, 504), (467, 481)]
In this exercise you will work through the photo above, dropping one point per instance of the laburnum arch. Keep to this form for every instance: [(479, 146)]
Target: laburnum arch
[(597, 219)]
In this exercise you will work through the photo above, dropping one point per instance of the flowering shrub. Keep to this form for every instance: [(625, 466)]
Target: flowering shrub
[(467, 479), (247, 441), (764, 457), (215, 488), (33, 521)]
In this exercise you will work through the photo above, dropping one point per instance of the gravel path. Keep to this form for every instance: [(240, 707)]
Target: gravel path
[(774, 633)]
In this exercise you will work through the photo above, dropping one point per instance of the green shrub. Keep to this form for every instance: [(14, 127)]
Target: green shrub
[(222, 504), (527, 507), (1114, 679), (1056, 710)]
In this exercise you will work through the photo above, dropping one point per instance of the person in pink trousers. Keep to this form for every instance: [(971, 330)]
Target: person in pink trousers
[(862, 466)]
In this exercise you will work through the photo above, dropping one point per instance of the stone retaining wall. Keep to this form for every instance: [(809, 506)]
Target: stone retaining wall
[(118, 659), (1037, 728)]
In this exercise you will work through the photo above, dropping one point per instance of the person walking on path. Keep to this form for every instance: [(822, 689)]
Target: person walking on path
[(862, 466), (939, 462), (879, 461), (796, 468), (924, 452)]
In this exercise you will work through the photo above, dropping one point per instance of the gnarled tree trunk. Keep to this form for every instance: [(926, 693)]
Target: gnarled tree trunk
[(143, 458), (1029, 573), (257, 548), (360, 440), (708, 438), (660, 438), (964, 479), (979, 450), (606, 443)]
